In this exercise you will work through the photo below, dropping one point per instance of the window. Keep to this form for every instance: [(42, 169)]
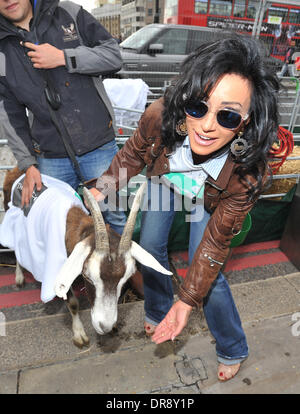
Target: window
[(150, 12), (174, 41), (239, 8), (201, 6), (278, 12), (294, 16), (137, 40), (198, 37), (220, 7), (251, 9)]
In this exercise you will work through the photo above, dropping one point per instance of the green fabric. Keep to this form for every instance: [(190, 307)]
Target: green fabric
[(184, 184), (269, 218)]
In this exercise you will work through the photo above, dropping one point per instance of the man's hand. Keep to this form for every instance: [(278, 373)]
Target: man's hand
[(45, 56), (32, 178), (174, 322)]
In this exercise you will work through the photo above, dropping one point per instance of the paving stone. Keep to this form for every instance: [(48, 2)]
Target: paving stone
[(191, 370)]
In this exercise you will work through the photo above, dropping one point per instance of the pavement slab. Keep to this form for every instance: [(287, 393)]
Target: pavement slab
[(294, 279), (273, 365), (37, 354)]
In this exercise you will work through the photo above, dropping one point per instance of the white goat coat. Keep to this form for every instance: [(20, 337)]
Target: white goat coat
[(39, 239)]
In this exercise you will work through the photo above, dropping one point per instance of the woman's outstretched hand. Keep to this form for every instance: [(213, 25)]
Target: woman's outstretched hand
[(173, 323)]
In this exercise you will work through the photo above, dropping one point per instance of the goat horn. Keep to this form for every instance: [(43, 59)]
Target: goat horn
[(101, 236), (125, 242)]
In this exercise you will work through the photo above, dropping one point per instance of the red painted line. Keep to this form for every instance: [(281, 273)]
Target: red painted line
[(182, 272), (10, 279), (248, 262), (253, 247), (255, 261), (25, 297)]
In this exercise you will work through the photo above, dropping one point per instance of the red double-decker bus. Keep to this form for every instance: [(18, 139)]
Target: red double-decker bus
[(281, 21)]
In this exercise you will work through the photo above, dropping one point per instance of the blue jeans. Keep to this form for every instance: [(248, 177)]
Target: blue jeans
[(219, 308), (92, 165)]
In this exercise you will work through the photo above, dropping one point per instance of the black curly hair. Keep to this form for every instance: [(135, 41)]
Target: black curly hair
[(199, 73)]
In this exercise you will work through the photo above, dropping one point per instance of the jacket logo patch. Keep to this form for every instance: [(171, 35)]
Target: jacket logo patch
[(69, 33)]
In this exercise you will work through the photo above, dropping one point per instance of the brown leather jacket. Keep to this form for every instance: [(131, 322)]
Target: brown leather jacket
[(225, 198)]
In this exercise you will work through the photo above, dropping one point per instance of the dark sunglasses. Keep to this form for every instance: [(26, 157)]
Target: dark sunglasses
[(227, 118)]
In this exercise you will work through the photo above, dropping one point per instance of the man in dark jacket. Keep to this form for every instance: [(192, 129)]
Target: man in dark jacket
[(41, 42)]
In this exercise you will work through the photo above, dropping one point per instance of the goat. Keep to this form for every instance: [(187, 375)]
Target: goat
[(105, 259)]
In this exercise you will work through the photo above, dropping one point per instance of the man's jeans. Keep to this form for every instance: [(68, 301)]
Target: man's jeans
[(92, 165), (219, 308)]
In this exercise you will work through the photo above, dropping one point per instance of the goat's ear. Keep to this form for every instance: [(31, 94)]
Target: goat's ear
[(146, 259), (71, 268)]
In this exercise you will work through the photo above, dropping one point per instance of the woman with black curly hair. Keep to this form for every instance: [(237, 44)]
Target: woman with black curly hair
[(206, 140)]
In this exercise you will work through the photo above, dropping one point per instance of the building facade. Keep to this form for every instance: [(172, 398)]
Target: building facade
[(109, 15), (124, 17)]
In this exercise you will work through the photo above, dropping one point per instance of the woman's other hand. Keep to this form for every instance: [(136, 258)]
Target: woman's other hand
[(97, 194)]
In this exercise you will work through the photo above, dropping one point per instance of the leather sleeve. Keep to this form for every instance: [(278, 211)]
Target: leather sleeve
[(134, 155), (224, 223)]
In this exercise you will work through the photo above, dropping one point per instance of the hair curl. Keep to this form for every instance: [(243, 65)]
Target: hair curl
[(201, 70)]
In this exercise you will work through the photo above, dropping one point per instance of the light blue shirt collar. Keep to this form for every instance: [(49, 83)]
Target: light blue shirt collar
[(212, 166)]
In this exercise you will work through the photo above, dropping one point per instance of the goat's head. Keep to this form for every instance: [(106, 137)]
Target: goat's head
[(105, 267)]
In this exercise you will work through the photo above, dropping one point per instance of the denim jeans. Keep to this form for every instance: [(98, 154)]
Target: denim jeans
[(92, 165), (219, 308)]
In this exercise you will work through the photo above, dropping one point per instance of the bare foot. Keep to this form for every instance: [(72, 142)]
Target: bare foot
[(226, 372), (149, 328)]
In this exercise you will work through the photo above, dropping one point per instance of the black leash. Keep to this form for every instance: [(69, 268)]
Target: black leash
[(54, 102)]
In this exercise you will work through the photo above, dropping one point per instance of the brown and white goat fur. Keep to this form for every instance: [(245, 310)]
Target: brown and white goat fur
[(105, 259)]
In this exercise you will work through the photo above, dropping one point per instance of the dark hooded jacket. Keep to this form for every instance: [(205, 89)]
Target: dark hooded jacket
[(85, 111)]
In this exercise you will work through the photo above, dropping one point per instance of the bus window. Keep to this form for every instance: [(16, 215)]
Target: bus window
[(278, 12), (171, 8), (294, 16), (251, 9), (201, 6), (220, 7), (239, 8)]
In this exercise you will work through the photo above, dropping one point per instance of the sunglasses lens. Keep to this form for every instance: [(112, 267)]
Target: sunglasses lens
[(229, 119), (197, 110)]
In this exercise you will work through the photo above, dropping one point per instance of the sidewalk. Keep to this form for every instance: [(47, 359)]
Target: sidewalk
[(37, 354)]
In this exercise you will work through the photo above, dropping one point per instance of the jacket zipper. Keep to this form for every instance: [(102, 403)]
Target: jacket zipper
[(212, 261)]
